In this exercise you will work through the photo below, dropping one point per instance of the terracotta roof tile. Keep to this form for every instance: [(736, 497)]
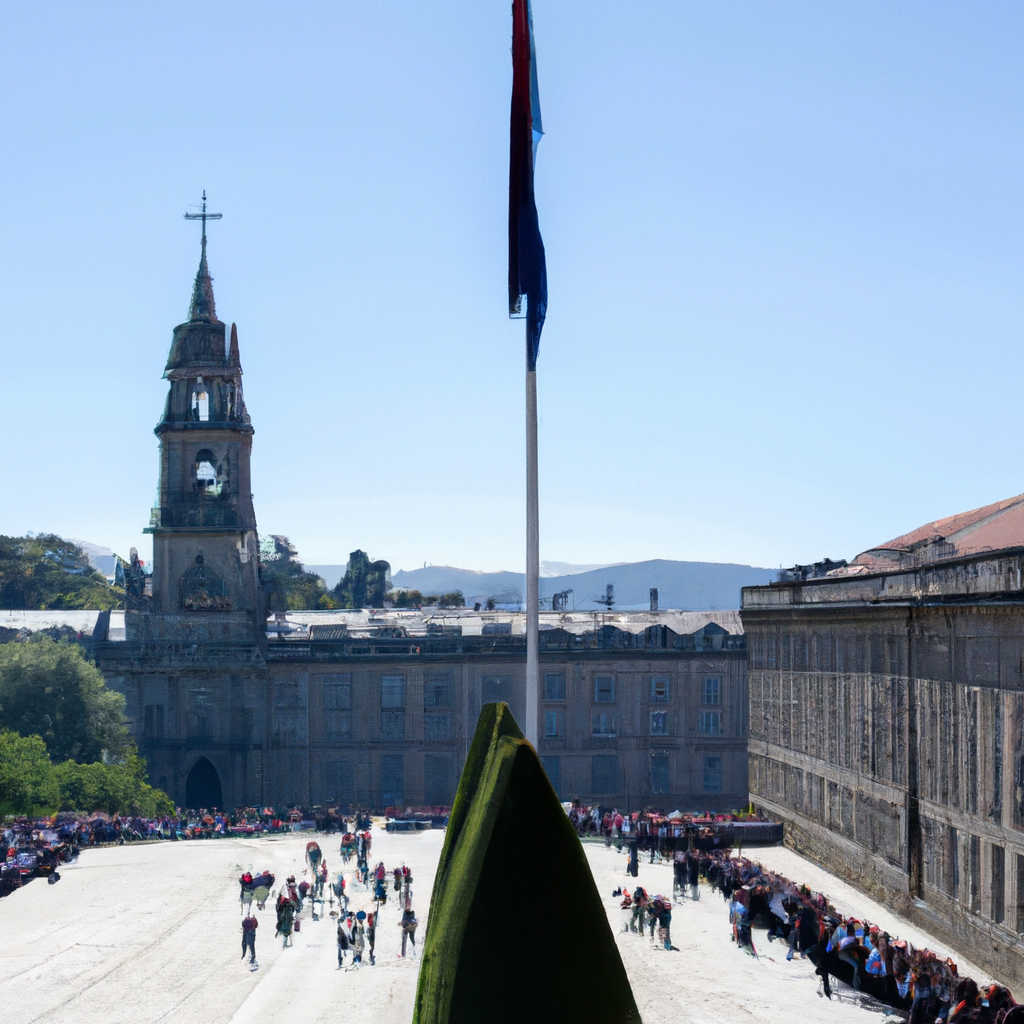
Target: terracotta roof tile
[(995, 526)]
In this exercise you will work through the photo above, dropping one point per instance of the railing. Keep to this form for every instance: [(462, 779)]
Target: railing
[(205, 515)]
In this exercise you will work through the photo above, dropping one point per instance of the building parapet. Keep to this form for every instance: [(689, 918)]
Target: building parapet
[(992, 575)]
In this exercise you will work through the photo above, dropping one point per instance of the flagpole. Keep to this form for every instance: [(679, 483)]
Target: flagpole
[(532, 560)]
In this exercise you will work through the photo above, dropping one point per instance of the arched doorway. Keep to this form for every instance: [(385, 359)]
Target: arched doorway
[(202, 788)]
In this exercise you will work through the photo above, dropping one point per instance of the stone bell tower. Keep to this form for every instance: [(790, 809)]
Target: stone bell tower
[(205, 545)]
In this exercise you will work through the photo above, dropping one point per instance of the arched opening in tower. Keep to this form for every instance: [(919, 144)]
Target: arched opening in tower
[(209, 474), (202, 788), (200, 402)]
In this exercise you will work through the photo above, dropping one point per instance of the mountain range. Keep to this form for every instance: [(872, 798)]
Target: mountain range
[(681, 585)]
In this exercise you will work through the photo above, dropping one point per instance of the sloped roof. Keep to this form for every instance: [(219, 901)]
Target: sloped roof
[(989, 528), (364, 622)]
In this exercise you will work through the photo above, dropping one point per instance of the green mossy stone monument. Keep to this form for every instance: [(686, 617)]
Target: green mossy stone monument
[(517, 931)]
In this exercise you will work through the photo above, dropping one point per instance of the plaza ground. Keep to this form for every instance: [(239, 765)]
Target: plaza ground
[(150, 934)]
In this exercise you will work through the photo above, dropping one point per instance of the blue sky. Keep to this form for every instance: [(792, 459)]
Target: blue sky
[(784, 248)]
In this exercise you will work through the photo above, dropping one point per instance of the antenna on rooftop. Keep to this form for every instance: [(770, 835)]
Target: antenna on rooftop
[(609, 597)]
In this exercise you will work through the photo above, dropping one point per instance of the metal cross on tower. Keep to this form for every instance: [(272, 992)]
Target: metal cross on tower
[(204, 217)]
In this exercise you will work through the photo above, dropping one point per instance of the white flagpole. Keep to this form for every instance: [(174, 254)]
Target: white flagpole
[(532, 559)]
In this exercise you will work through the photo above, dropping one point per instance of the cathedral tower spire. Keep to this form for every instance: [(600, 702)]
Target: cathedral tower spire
[(202, 306), (205, 545)]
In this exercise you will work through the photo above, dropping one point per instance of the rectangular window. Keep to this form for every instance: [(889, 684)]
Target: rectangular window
[(604, 689), (1020, 894), (998, 884), (437, 692), (712, 690), (337, 691), (392, 691), (659, 723), (604, 774), (437, 727), (154, 721), (392, 780), (287, 695), (712, 774), (336, 724), (659, 689), (551, 724), (554, 686), (710, 723), (603, 724), (660, 783), (392, 724), (437, 775), (975, 890), (290, 727), (339, 785), (953, 862), (553, 768)]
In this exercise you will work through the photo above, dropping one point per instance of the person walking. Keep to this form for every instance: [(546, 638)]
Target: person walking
[(371, 934), (665, 922), (408, 926), (693, 873), (343, 941), (358, 938), (678, 873), (285, 918), (249, 926)]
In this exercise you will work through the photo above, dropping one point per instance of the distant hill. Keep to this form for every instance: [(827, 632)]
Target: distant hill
[(683, 585), (332, 573)]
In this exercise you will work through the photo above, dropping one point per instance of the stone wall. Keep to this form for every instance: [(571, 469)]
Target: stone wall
[(886, 719), (316, 723)]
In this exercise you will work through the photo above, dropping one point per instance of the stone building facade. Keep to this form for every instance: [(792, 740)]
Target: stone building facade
[(886, 718), (378, 710), (380, 721)]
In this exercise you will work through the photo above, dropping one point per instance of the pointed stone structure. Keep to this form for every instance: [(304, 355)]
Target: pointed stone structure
[(517, 931), (202, 306), (205, 542)]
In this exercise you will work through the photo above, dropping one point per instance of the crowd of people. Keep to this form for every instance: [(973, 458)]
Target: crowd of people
[(850, 949), (356, 931), (656, 834), (36, 847)]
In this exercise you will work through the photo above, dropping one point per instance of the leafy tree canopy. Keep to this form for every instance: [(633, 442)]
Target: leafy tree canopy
[(118, 788), (48, 689), (31, 784), (46, 571), (365, 583), (454, 599), (28, 784), (285, 583)]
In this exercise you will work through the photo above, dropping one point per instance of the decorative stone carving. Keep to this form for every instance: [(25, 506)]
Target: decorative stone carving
[(201, 589)]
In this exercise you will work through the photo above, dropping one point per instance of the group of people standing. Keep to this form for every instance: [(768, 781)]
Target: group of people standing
[(653, 911), (851, 949), (357, 932)]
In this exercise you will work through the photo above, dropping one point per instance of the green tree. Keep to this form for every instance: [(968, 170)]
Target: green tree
[(46, 571), (48, 689), (118, 788), (365, 583), (285, 583), (28, 783), (454, 599)]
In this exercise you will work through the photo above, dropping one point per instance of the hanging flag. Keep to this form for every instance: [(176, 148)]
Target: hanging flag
[(527, 270)]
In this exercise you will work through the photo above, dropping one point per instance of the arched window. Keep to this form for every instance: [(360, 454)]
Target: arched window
[(200, 402), (209, 474)]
